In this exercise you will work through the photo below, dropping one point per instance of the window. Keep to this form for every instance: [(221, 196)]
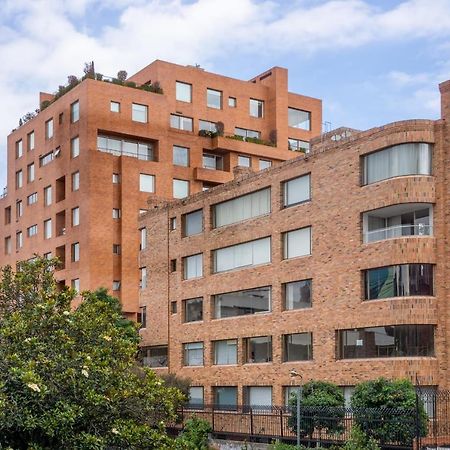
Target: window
[(386, 342), (116, 249), (255, 396), (258, 349), (256, 108), (399, 160), (242, 255), (242, 303), (142, 316), (225, 397), (8, 216), (225, 352), (297, 347), (46, 159), (193, 223), (296, 145), (117, 146), (60, 118), (193, 309), (183, 92), (139, 113), (19, 179), (155, 356), (264, 164), (232, 102), (143, 238), (196, 397), (8, 245), (214, 162), (143, 277), (116, 285), (297, 294), (181, 122), (47, 195), (115, 178), (75, 252), (241, 208), (244, 161), (75, 112), (173, 307), (30, 141), (214, 98), (146, 183), (32, 231), (173, 265), (247, 133), (75, 216), (19, 209), (193, 266), (180, 188), (49, 129), (19, 149), (180, 156), (207, 126), (172, 223), (299, 119), (297, 243), (75, 284), (297, 190), (116, 213), (48, 256), (114, 107), (75, 147), (19, 240), (47, 229), (75, 181), (193, 354), (32, 199), (30, 173), (403, 280)]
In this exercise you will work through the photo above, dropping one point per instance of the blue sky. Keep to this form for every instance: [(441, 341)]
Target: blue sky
[(372, 62)]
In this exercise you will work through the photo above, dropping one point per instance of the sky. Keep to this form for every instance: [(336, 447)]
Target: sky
[(371, 62)]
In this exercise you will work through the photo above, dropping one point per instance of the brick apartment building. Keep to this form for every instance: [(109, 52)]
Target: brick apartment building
[(80, 172), (336, 263)]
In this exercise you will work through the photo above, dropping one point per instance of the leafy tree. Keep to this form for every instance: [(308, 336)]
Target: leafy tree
[(195, 434), (322, 408), (385, 410), (122, 75), (69, 378)]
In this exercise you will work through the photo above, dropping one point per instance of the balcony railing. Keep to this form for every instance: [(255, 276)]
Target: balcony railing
[(145, 156), (398, 231)]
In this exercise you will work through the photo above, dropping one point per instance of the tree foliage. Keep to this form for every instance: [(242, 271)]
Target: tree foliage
[(69, 378)]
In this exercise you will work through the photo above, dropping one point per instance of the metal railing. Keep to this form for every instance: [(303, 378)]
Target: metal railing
[(142, 156), (398, 231)]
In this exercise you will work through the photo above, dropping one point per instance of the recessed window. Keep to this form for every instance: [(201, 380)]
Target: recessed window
[(30, 173), (258, 349), (243, 132), (146, 182), (116, 213), (180, 188), (49, 129), (32, 231), (19, 149), (258, 396), (297, 145), (256, 108), (183, 92), (225, 397), (214, 98), (232, 102), (193, 309), (156, 356), (173, 265), (75, 284), (297, 190), (19, 209), (207, 126), (8, 215), (196, 399), (181, 122), (114, 107), (75, 216), (32, 199), (180, 156), (214, 162), (193, 354), (142, 277), (172, 223), (30, 141), (143, 238), (117, 146), (60, 118), (173, 307), (297, 347), (8, 245), (193, 266), (297, 243), (116, 285), (139, 113), (19, 179), (297, 294), (298, 118), (193, 223), (116, 178), (46, 159), (48, 229), (117, 249), (244, 161), (264, 164), (19, 240), (75, 112), (75, 181), (75, 147), (47, 195), (225, 352), (75, 252)]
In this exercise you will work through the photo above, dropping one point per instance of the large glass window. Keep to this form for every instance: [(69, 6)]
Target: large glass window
[(256, 107), (181, 122), (412, 158), (241, 303), (193, 310), (386, 341), (244, 161), (180, 156), (207, 126), (297, 145), (155, 356), (196, 399), (247, 133), (258, 396), (297, 294), (297, 190), (193, 354), (193, 266), (297, 243), (118, 146), (241, 208), (242, 255), (225, 352), (211, 161), (180, 188), (214, 98), (183, 92), (146, 182), (258, 349), (225, 397), (139, 113), (193, 223), (297, 347), (299, 119), (402, 280)]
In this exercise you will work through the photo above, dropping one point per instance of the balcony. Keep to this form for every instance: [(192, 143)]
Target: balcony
[(118, 146), (212, 175), (411, 219)]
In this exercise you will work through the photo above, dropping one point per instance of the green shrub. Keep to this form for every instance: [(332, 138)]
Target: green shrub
[(360, 441), (195, 434)]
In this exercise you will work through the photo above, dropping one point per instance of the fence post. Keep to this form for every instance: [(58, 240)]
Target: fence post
[(251, 421), (281, 422), (418, 446)]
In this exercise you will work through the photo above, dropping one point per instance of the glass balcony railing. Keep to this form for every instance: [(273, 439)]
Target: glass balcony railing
[(395, 231)]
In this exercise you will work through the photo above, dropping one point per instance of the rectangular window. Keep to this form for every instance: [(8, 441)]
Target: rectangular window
[(193, 309), (75, 216), (75, 112), (297, 294), (193, 354), (386, 342), (207, 126), (30, 141), (116, 213), (116, 285), (75, 252), (143, 238), (297, 243), (244, 161), (47, 229), (143, 277), (242, 255), (241, 208), (297, 190), (183, 92), (19, 240), (116, 178), (193, 266), (116, 249), (8, 215), (118, 146), (192, 223), (258, 349), (214, 98), (297, 347), (225, 397), (142, 316), (256, 108), (172, 223), (46, 159), (180, 188), (32, 199), (75, 147), (173, 265), (412, 158), (19, 179), (157, 356), (180, 156), (258, 396), (32, 231), (114, 107), (225, 352), (49, 129), (404, 280), (264, 164), (75, 181), (19, 209), (139, 113), (47, 195), (146, 182), (8, 245), (214, 162), (173, 307), (181, 122), (196, 400), (242, 303), (297, 145), (232, 102), (299, 119), (243, 132), (19, 149), (30, 173), (75, 284)]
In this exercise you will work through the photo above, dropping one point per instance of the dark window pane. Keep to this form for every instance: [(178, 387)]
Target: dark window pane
[(297, 347), (193, 310), (241, 303), (258, 349)]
